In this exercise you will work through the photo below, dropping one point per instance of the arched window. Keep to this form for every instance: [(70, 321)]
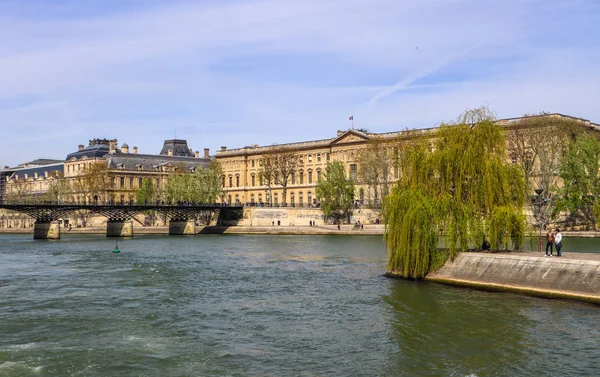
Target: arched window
[(230, 183), (237, 199), (260, 198), (223, 181), (237, 181), (310, 178), (300, 198), (276, 198), (252, 196), (253, 179), (309, 198), (318, 175), (301, 177), (361, 195), (292, 199)]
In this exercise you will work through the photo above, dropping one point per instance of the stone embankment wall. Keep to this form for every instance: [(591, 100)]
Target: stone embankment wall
[(534, 275), (260, 216)]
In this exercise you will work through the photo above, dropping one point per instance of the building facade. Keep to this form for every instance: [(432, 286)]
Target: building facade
[(242, 169)]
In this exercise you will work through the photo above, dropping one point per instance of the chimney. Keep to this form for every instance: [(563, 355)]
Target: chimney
[(340, 132), (170, 152), (112, 146), (6, 167), (80, 147), (46, 174), (125, 148), (206, 153), (223, 149), (135, 149), (25, 165), (35, 175), (196, 154)]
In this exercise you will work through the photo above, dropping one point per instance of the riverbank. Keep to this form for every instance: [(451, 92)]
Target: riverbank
[(572, 276)]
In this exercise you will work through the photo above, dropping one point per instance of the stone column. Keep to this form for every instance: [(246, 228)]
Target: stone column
[(119, 228), (182, 227), (46, 230)]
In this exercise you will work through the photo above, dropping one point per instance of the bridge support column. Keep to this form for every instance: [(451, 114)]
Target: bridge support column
[(46, 230), (182, 227), (119, 228)]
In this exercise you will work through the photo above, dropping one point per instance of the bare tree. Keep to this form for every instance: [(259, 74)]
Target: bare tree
[(375, 164), (278, 167)]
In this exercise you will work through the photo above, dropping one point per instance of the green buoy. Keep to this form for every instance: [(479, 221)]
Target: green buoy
[(116, 250)]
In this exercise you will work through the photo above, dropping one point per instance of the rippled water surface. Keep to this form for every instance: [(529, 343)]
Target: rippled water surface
[(266, 306)]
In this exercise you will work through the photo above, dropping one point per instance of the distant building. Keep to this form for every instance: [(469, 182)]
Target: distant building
[(242, 168), (124, 171)]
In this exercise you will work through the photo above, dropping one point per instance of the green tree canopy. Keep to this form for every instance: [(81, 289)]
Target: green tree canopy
[(147, 193), (581, 181), (458, 186), (336, 192)]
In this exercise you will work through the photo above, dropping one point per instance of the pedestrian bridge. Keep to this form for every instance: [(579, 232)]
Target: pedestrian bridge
[(181, 216)]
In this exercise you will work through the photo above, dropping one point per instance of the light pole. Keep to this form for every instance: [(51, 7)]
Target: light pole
[(539, 201)]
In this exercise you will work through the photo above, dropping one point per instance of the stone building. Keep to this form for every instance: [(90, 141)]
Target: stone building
[(242, 166)]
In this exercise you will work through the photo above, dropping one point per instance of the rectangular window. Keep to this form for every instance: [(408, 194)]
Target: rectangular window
[(230, 182), (122, 182), (319, 157), (328, 157), (309, 176), (140, 180), (252, 162), (293, 178), (301, 177), (310, 158), (237, 181), (253, 180), (353, 172), (318, 175), (131, 182)]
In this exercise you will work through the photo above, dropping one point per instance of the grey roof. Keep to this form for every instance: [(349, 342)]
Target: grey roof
[(124, 145), (40, 170), (178, 146), (150, 162), (91, 151), (39, 162)]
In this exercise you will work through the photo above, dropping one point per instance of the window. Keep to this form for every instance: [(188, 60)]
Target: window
[(223, 181), (292, 198), (361, 195), (122, 183), (237, 181), (300, 198), (230, 184), (237, 199), (310, 158), (318, 157), (318, 175), (309, 176), (301, 177), (140, 182), (131, 182), (293, 178), (260, 180), (229, 199), (252, 163), (122, 199), (253, 180), (309, 197), (260, 198), (252, 198), (353, 172), (276, 198), (112, 182), (327, 156)]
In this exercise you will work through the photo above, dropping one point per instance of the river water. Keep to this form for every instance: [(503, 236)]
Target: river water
[(227, 305)]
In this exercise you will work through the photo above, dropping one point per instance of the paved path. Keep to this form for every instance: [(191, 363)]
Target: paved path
[(567, 255)]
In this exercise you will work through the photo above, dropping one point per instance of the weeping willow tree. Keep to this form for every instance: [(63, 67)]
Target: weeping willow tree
[(456, 191)]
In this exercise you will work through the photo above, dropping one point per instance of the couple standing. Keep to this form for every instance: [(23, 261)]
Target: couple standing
[(554, 237)]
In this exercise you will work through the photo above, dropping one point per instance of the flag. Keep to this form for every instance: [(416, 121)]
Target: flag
[(351, 117)]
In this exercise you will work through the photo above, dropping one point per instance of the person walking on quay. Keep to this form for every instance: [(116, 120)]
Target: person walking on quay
[(558, 243), (549, 241)]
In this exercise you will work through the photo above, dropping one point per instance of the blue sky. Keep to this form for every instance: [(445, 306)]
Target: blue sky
[(239, 72)]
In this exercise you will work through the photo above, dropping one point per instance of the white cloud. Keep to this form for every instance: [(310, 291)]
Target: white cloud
[(230, 73)]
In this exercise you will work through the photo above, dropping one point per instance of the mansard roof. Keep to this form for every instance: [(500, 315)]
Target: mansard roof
[(178, 147), (132, 161)]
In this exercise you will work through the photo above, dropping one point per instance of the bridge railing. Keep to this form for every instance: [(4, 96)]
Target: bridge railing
[(153, 204)]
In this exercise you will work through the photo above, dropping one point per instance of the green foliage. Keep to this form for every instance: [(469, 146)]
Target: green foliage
[(581, 180), (450, 189), (146, 193), (336, 191), (506, 225), (203, 186)]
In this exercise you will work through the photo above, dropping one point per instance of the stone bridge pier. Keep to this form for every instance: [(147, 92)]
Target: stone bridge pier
[(182, 227), (119, 228), (46, 230)]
